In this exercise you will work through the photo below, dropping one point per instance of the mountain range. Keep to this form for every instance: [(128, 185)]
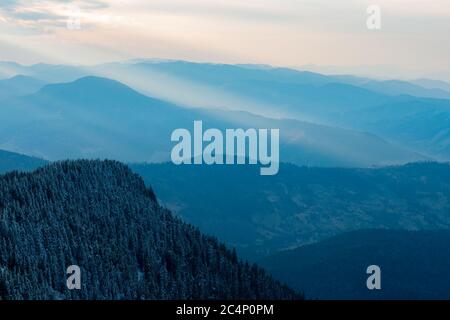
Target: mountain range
[(358, 183), (101, 118), (402, 121)]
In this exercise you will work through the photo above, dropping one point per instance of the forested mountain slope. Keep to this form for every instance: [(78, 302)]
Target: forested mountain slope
[(101, 217), (263, 214)]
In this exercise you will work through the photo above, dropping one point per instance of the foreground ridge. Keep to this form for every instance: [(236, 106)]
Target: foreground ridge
[(99, 216)]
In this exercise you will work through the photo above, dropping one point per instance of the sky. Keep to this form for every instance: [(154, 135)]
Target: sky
[(331, 36)]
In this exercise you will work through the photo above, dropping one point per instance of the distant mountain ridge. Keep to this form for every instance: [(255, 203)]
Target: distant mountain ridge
[(10, 161), (94, 88), (18, 86), (307, 96), (432, 84), (396, 87), (96, 117), (357, 104), (302, 95)]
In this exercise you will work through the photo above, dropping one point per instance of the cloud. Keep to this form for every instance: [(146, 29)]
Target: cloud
[(46, 15), (9, 3), (91, 4), (276, 32), (251, 10)]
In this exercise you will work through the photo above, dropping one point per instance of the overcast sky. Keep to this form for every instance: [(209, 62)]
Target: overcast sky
[(414, 39)]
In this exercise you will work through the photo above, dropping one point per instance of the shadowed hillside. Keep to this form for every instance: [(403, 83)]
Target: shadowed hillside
[(414, 265), (299, 205)]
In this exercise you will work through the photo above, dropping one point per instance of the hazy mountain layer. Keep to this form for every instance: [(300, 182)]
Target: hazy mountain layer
[(10, 161), (337, 101), (18, 86), (101, 118)]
